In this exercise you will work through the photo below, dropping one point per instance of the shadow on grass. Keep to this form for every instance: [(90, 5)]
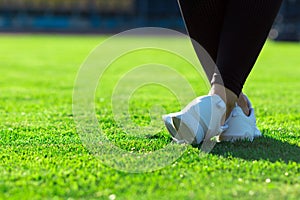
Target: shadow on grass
[(264, 148)]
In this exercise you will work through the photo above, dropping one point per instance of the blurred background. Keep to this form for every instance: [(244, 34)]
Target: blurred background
[(111, 16)]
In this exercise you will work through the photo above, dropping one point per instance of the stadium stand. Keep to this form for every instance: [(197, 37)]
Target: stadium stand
[(116, 15), (87, 15), (287, 25)]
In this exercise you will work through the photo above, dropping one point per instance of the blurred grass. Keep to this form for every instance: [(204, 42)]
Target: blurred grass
[(42, 156)]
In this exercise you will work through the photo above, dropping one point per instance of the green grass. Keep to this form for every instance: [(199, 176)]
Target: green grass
[(42, 156)]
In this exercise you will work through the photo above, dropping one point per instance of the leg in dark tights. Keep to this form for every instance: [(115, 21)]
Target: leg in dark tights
[(204, 21), (245, 30), (233, 32)]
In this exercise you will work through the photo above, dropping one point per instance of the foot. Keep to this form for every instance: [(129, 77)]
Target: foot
[(240, 125), (200, 120)]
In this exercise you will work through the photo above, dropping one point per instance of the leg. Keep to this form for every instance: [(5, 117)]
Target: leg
[(245, 30), (204, 21), (246, 27)]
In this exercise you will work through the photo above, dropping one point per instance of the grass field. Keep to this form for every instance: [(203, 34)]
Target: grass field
[(42, 156)]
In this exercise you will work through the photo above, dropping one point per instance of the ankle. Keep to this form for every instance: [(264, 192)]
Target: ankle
[(227, 95), (243, 103)]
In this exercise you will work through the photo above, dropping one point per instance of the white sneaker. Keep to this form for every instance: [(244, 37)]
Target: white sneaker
[(240, 126), (199, 120)]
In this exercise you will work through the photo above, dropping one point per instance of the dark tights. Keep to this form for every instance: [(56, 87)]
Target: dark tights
[(233, 32)]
